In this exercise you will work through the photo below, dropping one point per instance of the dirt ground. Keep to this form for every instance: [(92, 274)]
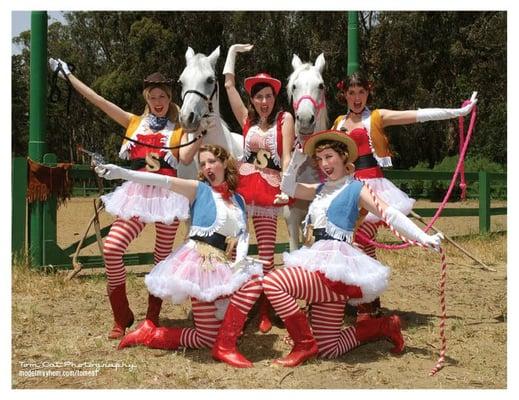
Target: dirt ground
[(59, 327)]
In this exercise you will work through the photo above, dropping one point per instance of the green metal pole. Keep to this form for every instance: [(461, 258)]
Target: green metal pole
[(353, 42), (484, 202), (37, 122)]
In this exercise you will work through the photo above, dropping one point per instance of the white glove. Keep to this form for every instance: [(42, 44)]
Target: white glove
[(281, 198), (111, 171), (437, 114), (231, 56), (409, 230), (288, 180), (54, 66)]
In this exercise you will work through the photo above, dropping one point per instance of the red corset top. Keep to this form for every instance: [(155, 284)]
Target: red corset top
[(140, 151)]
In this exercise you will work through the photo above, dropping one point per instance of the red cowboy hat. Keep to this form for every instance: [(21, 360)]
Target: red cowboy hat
[(313, 140), (262, 78)]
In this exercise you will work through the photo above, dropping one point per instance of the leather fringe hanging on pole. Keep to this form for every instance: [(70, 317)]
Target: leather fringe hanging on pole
[(45, 182)]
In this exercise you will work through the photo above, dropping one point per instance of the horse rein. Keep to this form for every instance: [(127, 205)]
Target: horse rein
[(208, 99)]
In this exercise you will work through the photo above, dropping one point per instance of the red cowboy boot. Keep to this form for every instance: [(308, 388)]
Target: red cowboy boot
[(154, 306), (305, 346), (265, 324), (224, 349), (164, 338), (368, 310), (372, 329), (123, 316), (139, 335)]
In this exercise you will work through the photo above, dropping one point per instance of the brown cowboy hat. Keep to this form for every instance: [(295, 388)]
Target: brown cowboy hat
[(156, 79), (313, 140), (262, 78)]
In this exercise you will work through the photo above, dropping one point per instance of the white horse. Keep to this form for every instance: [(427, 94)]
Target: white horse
[(306, 92), (201, 109)]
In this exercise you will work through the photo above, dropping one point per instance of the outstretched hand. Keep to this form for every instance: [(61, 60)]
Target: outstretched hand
[(54, 64), (109, 171), (468, 108), (241, 48), (434, 241)]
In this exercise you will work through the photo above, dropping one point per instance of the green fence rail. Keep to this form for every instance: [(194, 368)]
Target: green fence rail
[(85, 184)]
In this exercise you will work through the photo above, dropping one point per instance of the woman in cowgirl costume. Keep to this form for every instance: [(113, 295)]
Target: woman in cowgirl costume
[(268, 139), (134, 204), (366, 128), (332, 272), (201, 268)]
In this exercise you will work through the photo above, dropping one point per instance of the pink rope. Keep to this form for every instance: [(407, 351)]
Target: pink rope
[(447, 195), (443, 279)]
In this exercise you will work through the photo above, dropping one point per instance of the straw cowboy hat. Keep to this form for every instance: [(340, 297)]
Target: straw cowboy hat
[(313, 140), (262, 78)]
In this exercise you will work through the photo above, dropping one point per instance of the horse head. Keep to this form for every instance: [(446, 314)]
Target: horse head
[(199, 89), (306, 90)]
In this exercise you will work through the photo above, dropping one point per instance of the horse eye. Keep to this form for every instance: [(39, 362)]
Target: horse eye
[(210, 80), (293, 87), (321, 86)]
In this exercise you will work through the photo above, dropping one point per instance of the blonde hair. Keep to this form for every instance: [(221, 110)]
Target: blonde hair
[(173, 109), (231, 168)]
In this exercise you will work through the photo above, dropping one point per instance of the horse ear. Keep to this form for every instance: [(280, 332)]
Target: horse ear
[(319, 63), (296, 61), (214, 56), (189, 54)]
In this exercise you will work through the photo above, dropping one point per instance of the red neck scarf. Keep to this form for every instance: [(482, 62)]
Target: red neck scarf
[(223, 189)]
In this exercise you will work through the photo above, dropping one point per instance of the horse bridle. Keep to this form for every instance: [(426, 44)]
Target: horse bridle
[(208, 99), (318, 106)]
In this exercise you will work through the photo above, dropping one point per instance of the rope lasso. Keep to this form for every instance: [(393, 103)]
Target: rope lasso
[(445, 199), (443, 279)]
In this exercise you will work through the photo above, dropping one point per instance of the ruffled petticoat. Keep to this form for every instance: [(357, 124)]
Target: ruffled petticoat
[(389, 193), (197, 270), (340, 261), (148, 203)]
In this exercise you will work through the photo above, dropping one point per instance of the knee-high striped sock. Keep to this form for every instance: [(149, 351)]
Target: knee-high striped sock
[(370, 230), (245, 297), (206, 326), (121, 234), (266, 229), (164, 239), (283, 286), (326, 320)]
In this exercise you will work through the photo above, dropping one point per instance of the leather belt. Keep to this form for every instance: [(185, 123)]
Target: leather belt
[(365, 161), (215, 240), (320, 234), (253, 159), (139, 163)]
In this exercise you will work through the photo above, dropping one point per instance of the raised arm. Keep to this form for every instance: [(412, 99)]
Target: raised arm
[(113, 111), (238, 107), (392, 117), (185, 187), (288, 135), (398, 220)]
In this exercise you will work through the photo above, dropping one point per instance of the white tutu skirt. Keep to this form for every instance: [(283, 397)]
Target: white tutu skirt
[(340, 261), (389, 193), (148, 203), (188, 273)]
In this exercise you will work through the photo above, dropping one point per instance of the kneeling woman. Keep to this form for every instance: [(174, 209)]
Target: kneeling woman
[(332, 272), (200, 269)]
